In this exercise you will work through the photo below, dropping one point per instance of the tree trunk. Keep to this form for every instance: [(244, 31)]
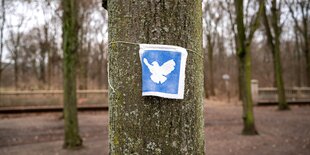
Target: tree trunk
[(70, 40), (297, 59), (99, 72), (49, 69), (274, 44), (245, 79), (153, 125), (102, 67), (83, 66), (104, 74), (16, 71), (306, 36), (1, 36), (210, 68), (307, 57), (42, 66), (244, 60), (205, 73)]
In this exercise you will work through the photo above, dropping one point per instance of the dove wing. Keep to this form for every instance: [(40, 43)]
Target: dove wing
[(167, 67), (148, 65)]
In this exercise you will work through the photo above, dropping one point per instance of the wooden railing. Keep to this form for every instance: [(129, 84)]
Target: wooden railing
[(270, 94), (50, 92), (50, 97)]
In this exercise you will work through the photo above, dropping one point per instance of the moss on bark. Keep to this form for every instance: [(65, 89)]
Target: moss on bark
[(153, 125)]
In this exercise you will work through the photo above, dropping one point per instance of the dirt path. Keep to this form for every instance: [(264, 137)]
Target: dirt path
[(281, 133)]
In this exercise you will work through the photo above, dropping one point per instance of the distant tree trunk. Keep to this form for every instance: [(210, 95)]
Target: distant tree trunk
[(274, 44), (44, 49), (303, 8), (153, 125), (49, 69), (16, 70), (306, 36), (84, 67), (205, 73), (102, 68), (100, 76), (70, 40), (244, 60), (307, 53), (42, 66), (210, 65), (104, 74), (1, 36), (298, 59)]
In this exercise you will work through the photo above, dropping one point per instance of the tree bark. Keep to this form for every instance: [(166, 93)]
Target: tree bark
[(244, 66), (153, 125), (274, 44), (70, 44)]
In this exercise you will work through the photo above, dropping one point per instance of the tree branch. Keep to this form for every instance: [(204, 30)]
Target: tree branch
[(267, 28), (255, 24), (293, 16)]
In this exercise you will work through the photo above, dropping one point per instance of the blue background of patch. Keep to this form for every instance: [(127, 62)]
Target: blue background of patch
[(171, 85)]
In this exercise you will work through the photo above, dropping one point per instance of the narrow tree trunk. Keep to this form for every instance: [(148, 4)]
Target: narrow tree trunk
[(306, 36), (84, 67), (1, 36), (49, 69), (298, 60), (42, 66), (99, 72), (274, 44), (244, 60), (104, 74), (206, 77), (83, 74), (307, 57), (102, 68), (70, 40), (210, 68), (153, 125), (279, 79), (16, 71)]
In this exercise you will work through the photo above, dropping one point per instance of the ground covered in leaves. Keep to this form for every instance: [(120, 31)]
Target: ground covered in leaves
[(281, 132)]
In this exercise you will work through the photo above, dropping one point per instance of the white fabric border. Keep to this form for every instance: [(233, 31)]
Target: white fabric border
[(171, 48)]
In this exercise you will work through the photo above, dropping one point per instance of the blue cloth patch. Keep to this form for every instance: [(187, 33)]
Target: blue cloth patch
[(163, 70)]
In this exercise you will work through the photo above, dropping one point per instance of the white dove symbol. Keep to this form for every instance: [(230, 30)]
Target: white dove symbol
[(159, 72)]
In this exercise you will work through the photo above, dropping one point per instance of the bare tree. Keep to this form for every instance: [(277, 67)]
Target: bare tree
[(274, 44), (3, 14), (211, 18), (13, 45), (302, 7), (244, 59)]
